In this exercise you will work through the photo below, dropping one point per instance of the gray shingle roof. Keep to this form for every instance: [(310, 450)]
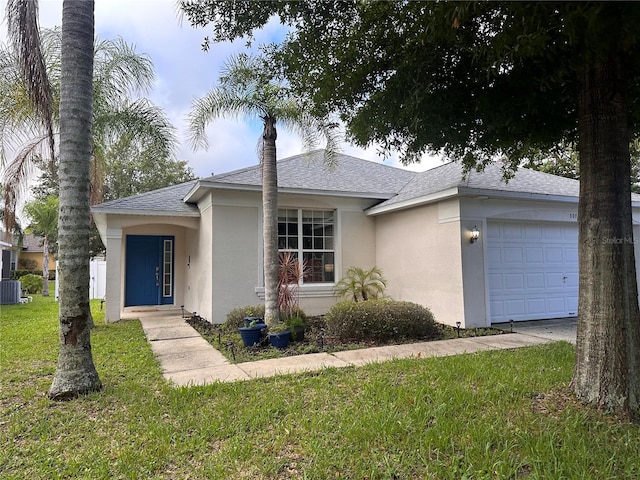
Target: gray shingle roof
[(32, 243), (352, 176), (163, 200), (450, 175), (308, 172)]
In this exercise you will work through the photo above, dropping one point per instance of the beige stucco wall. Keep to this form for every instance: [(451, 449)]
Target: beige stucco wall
[(419, 252), (199, 249), (235, 266), (358, 240)]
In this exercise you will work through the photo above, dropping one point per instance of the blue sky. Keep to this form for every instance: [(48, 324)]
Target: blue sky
[(184, 72)]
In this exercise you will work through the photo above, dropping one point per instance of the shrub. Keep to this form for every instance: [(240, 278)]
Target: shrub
[(380, 320), (18, 274), (31, 283), (27, 264)]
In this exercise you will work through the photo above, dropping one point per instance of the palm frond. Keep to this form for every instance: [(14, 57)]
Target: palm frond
[(120, 71), (14, 174), (22, 27), (140, 122), (221, 103)]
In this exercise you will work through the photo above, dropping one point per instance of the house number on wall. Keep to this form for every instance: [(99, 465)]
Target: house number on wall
[(573, 216)]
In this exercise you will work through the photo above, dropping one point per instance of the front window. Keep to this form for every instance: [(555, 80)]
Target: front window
[(309, 234)]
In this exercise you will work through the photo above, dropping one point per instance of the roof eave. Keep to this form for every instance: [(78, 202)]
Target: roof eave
[(413, 202), (505, 194), (144, 212), (462, 191), (198, 191)]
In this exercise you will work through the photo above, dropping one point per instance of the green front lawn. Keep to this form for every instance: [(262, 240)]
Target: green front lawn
[(488, 415)]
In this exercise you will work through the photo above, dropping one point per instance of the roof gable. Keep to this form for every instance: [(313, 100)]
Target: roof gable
[(308, 172)]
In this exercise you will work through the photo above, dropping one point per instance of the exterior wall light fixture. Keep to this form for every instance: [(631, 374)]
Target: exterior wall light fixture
[(475, 234)]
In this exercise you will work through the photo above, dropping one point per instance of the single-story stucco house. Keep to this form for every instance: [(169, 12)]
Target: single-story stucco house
[(199, 244)]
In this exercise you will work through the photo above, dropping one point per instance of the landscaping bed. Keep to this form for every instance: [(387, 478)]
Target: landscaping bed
[(316, 340)]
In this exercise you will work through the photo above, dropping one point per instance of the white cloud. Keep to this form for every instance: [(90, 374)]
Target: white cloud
[(184, 72)]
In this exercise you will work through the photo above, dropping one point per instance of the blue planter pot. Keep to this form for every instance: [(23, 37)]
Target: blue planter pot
[(280, 340), (252, 335)]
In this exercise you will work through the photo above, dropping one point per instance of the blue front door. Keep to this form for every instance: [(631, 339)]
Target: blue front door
[(149, 270)]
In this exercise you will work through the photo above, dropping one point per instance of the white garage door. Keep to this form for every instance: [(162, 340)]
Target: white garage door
[(533, 270)]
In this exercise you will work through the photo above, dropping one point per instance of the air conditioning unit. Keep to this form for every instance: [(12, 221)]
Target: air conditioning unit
[(10, 292)]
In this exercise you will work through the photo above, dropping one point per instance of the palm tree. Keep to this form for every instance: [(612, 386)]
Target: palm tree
[(247, 87), (76, 372), (44, 223), (119, 74), (361, 284)]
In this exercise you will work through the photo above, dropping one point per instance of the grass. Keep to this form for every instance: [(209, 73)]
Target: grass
[(488, 415), (229, 343)]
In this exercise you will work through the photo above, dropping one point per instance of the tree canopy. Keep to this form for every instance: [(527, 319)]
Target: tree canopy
[(471, 79)]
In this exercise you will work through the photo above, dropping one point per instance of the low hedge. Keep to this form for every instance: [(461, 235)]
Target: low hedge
[(380, 320)]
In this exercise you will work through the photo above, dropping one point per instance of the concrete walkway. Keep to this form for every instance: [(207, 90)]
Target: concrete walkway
[(554, 329), (187, 359)]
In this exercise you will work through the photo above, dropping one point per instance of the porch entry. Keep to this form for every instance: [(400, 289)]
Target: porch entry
[(149, 270)]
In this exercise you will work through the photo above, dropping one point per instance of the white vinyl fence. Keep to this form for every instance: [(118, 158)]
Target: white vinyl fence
[(97, 278)]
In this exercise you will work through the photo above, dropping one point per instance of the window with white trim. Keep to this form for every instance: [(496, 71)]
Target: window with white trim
[(309, 234)]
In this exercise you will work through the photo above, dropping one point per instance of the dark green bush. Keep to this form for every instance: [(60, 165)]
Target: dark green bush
[(31, 283), (380, 320)]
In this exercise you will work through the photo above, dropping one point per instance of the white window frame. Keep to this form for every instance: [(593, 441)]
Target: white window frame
[(300, 250)]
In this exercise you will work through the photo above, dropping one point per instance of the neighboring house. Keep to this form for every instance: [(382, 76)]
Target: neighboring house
[(199, 244), (32, 251)]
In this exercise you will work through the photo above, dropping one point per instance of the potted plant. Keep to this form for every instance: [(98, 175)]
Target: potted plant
[(279, 335), (296, 326), (253, 333)]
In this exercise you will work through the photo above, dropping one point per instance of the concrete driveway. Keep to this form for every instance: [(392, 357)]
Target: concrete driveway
[(554, 329)]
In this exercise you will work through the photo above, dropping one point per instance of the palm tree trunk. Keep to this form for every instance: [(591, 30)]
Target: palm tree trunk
[(75, 372), (45, 267), (270, 220), (607, 369)]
